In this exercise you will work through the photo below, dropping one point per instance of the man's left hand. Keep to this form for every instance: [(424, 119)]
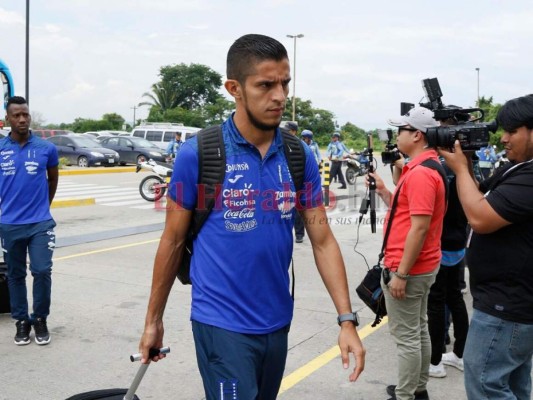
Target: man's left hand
[(349, 342), (397, 287), (456, 159)]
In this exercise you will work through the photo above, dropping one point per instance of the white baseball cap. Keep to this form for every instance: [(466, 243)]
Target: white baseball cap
[(419, 118)]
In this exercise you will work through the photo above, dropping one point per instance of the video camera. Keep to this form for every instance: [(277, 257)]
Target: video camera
[(391, 152), (460, 124)]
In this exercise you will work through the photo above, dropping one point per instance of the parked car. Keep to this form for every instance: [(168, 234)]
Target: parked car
[(160, 133), (84, 151), (46, 133), (133, 150)]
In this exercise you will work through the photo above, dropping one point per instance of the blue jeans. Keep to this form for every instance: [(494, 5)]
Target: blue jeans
[(240, 366), (37, 240), (497, 359)]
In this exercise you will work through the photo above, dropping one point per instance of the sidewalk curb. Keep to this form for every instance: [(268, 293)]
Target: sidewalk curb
[(86, 201), (90, 171)]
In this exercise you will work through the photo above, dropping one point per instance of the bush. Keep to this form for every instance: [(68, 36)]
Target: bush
[(63, 161)]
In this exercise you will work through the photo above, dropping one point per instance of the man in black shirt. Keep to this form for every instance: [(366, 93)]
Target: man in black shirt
[(499, 348)]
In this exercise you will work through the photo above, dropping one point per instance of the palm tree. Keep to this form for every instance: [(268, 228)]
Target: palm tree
[(164, 96)]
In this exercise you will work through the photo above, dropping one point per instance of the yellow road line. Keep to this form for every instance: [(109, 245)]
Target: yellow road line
[(90, 171), (125, 246), (303, 372), (86, 201)]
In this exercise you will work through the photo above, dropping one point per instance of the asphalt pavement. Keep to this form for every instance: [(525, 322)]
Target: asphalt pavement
[(101, 283)]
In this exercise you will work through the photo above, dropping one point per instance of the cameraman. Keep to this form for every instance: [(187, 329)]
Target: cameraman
[(499, 346), (412, 252)]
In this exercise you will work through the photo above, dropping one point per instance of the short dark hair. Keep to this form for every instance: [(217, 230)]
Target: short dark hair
[(516, 113), (250, 49), (15, 100)]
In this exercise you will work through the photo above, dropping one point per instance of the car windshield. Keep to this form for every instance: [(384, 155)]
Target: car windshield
[(142, 142), (85, 142)]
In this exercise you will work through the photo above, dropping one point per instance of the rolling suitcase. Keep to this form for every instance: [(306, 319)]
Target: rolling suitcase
[(5, 306), (121, 394)]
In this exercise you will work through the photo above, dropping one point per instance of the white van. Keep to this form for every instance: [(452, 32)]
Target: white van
[(160, 133)]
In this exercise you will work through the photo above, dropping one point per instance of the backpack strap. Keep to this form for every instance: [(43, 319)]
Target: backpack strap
[(437, 166), (211, 173), (295, 155)]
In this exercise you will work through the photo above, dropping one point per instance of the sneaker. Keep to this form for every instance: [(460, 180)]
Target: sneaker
[(23, 332), (423, 395), (437, 371), (452, 360), (342, 187), (42, 336), (299, 239)]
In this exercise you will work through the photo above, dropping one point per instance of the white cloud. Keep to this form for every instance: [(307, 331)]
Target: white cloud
[(358, 60)]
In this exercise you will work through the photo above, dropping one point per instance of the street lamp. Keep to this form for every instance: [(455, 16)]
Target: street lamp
[(477, 69), (28, 51), (299, 36)]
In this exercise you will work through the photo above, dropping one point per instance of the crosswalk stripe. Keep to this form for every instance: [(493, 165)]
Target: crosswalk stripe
[(120, 203), (98, 191)]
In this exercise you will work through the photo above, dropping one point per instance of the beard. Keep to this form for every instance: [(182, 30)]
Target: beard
[(255, 122)]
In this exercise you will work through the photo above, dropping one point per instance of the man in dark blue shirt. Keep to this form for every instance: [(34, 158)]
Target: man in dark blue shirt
[(28, 182)]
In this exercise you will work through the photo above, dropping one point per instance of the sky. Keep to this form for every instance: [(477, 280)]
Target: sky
[(357, 59)]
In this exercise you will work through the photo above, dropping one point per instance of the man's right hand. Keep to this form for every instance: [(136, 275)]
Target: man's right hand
[(152, 338)]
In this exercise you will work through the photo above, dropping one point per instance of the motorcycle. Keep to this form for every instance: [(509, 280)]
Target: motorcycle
[(154, 187), (356, 165)]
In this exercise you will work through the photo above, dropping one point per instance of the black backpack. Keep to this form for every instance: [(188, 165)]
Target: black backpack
[(211, 173)]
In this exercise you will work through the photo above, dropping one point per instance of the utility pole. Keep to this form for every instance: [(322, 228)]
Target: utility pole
[(477, 69), (294, 75), (134, 108), (28, 51)]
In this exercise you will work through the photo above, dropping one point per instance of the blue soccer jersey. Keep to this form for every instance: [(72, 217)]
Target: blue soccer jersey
[(240, 268), (24, 195)]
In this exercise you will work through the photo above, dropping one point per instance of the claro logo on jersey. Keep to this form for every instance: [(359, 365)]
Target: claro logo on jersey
[(8, 167), (240, 203)]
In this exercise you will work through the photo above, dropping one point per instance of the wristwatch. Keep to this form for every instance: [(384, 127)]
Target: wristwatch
[(348, 317), (401, 276)]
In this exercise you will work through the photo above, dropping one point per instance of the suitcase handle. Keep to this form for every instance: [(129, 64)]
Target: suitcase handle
[(151, 354), (142, 370)]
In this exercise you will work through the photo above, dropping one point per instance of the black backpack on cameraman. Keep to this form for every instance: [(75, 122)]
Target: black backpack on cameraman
[(211, 174)]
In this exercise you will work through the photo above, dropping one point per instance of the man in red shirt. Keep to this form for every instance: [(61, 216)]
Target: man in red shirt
[(412, 252)]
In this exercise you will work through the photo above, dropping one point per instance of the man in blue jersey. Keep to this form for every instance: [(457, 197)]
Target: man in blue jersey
[(241, 303), (28, 182)]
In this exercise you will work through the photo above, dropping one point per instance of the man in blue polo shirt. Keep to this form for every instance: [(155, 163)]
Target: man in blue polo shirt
[(28, 182), (241, 303)]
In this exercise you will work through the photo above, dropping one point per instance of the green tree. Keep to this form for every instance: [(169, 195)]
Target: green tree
[(320, 122), (163, 97), (115, 121), (218, 112), (491, 111), (192, 86)]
